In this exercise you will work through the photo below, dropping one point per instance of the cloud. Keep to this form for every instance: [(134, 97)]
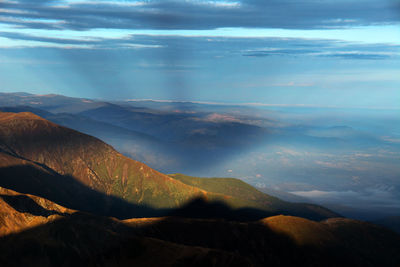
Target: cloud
[(128, 42), (373, 197), (278, 51), (323, 48), (287, 84), (287, 14), (215, 46), (220, 118), (361, 55), (28, 37), (391, 140)]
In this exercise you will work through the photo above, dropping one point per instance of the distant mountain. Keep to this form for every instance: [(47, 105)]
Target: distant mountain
[(51, 102), (74, 169), (284, 195), (145, 133)]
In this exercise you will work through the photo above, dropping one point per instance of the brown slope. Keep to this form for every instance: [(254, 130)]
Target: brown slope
[(79, 239), (21, 211), (37, 232), (89, 160), (29, 177)]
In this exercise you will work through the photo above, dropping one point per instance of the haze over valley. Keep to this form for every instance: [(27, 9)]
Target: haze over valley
[(346, 159)]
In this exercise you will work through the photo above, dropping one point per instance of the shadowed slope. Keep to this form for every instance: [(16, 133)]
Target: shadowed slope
[(77, 239), (67, 191)]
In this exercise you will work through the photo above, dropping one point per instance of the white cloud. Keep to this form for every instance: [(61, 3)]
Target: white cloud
[(377, 197)]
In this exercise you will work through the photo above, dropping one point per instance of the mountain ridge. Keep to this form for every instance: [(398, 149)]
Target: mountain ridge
[(74, 238), (99, 167), (212, 230)]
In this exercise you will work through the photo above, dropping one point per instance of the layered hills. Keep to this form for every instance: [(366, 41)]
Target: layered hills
[(60, 191), (80, 171), (39, 232)]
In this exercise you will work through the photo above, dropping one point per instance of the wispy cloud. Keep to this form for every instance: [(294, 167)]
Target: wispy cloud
[(172, 14), (216, 46), (324, 48), (376, 197), (284, 84)]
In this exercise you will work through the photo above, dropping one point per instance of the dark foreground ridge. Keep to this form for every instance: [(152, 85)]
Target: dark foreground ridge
[(73, 238)]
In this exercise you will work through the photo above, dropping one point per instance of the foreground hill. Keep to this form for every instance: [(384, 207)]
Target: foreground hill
[(38, 232), (20, 211), (82, 172)]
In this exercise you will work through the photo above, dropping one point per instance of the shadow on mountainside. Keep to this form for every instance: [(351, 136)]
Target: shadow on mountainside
[(198, 234), (201, 208), (82, 239), (25, 204), (70, 193), (65, 190)]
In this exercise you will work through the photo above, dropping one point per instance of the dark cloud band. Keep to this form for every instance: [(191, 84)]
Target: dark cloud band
[(289, 14)]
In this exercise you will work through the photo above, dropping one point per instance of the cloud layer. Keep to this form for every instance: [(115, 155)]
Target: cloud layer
[(219, 46), (195, 14)]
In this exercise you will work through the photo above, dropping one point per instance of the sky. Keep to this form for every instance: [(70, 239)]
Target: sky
[(342, 53)]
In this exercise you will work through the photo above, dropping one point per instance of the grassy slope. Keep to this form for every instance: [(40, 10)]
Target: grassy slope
[(235, 188), (243, 194)]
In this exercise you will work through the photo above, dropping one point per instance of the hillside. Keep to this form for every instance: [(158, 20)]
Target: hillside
[(21, 211), (242, 194), (87, 160), (47, 234), (84, 164), (55, 182)]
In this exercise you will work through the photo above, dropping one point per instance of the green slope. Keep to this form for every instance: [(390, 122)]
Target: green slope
[(241, 194)]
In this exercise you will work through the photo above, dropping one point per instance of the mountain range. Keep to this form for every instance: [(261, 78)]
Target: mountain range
[(38, 232), (68, 198), (64, 164), (338, 153)]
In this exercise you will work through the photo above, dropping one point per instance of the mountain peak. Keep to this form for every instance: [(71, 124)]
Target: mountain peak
[(5, 116)]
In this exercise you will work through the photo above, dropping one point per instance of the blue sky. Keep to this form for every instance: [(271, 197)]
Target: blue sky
[(317, 53)]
